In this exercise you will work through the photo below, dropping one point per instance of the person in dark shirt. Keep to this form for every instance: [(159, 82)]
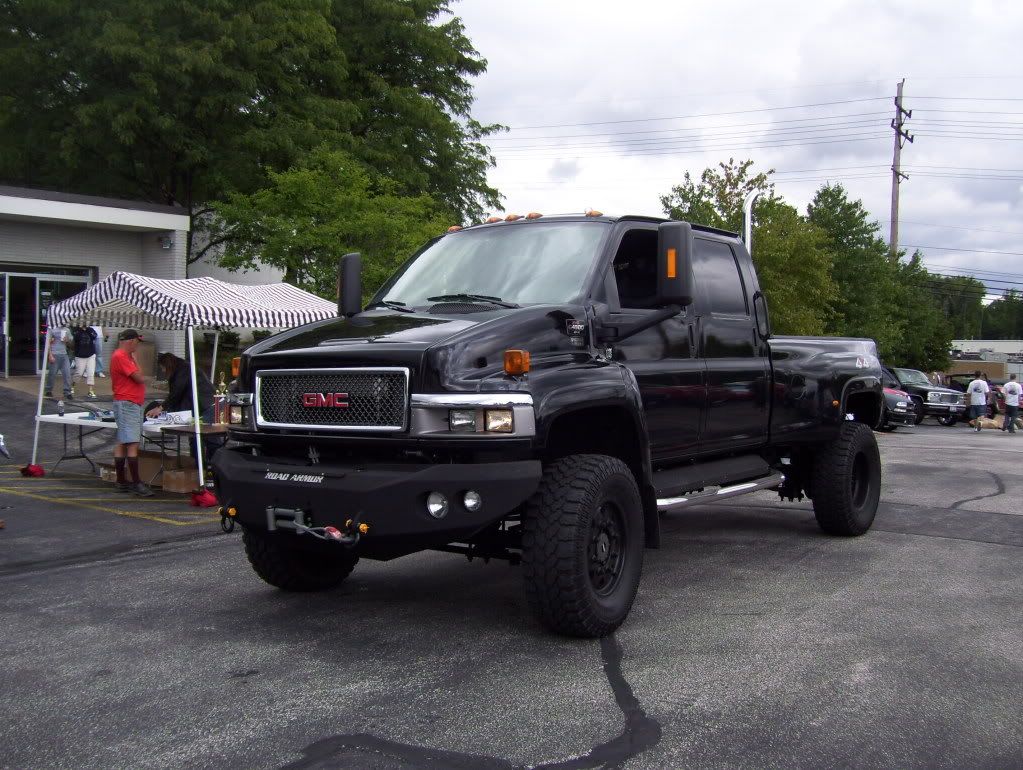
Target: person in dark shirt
[(179, 398), (179, 385)]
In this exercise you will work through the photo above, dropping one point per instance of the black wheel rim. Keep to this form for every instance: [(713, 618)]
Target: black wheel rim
[(606, 549), (860, 481)]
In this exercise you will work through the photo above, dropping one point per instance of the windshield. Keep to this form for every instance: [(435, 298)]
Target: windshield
[(912, 377), (528, 263)]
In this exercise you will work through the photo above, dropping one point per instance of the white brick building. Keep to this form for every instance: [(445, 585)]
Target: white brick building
[(53, 245)]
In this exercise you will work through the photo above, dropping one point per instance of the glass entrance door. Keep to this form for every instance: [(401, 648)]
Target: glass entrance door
[(21, 325), (3, 326)]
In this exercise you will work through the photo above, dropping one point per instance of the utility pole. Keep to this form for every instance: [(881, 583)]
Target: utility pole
[(901, 135)]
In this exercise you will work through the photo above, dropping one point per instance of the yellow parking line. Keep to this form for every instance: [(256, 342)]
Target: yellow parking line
[(103, 508)]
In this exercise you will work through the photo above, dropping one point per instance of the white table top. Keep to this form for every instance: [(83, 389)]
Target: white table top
[(83, 419), (87, 420)]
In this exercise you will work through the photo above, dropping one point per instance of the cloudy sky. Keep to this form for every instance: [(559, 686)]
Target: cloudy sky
[(610, 103)]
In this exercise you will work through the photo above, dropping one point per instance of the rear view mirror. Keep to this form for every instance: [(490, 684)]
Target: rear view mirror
[(675, 264), (349, 276)]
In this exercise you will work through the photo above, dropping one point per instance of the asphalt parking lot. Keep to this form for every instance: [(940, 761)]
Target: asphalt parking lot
[(136, 635)]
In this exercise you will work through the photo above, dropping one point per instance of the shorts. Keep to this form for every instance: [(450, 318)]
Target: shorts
[(128, 415), (978, 410)]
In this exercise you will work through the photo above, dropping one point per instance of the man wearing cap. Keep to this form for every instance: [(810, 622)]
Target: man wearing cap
[(129, 393)]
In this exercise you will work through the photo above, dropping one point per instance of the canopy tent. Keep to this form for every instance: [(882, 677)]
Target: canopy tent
[(137, 301)]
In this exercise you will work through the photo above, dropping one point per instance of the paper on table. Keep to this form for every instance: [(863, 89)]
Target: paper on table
[(171, 418)]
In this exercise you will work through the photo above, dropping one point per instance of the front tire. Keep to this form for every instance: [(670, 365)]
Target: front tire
[(847, 481), (582, 545), (278, 559), (948, 420)]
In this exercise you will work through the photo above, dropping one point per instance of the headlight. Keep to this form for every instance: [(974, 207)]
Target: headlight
[(901, 405), (237, 415), (934, 396), (462, 420), (500, 421)]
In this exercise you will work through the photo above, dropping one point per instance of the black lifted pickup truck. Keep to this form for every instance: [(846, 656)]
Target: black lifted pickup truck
[(542, 389)]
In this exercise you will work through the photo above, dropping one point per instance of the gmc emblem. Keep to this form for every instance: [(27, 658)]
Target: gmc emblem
[(317, 400)]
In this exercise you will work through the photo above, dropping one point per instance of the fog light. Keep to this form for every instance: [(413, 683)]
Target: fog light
[(437, 505), (472, 501), (462, 420), (499, 421)]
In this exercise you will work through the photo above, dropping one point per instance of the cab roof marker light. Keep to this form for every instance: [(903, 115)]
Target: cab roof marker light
[(491, 220), (594, 213), (454, 228), (512, 217), (533, 215)]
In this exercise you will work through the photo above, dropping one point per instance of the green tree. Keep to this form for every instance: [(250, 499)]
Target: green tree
[(310, 215), (961, 301), (926, 334), (794, 265), (1003, 318), (717, 199), (188, 101), (864, 274), (790, 253)]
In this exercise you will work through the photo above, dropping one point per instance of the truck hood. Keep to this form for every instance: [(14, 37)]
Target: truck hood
[(376, 327)]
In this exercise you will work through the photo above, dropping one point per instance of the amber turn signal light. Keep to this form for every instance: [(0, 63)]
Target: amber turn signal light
[(236, 366), (516, 362)]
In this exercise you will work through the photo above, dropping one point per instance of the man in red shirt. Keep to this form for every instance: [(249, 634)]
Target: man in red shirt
[(129, 393)]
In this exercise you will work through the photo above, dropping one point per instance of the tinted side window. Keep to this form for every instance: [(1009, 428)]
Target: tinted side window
[(635, 269), (717, 278)]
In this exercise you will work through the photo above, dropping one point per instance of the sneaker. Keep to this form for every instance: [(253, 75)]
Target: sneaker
[(102, 374), (122, 486), (92, 394), (141, 490)]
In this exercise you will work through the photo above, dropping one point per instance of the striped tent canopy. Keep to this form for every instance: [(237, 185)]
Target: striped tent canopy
[(137, 301)]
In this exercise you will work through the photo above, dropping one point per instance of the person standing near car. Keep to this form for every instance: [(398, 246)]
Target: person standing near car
[(129, 394), (978, 390), (1012, 391)]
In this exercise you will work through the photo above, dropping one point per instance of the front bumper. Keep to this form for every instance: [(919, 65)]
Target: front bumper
[(938, 409), (904, 417), (390, 498)]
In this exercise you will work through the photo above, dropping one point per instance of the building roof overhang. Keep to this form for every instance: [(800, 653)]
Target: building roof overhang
[(21, 204)]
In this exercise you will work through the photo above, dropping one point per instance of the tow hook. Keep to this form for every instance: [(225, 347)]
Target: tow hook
[(348, 535)]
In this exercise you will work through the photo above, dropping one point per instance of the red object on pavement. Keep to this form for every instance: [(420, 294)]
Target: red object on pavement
[(33, 470), (203, 498)]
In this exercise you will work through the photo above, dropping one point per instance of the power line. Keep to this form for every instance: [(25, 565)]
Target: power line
[(971, 251), (703, 115)]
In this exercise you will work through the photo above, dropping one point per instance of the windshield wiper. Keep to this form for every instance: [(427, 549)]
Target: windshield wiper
[(393, 304), (471, 297)]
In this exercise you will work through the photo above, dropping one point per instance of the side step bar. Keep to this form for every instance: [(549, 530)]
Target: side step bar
[(665, 504)]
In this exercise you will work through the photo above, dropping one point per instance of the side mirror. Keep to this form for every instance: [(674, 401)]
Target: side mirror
[(349, 276), (675, 283)]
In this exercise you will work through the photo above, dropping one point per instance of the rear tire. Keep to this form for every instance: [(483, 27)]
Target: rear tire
[(275, 558), (847, 481), (582, 545)]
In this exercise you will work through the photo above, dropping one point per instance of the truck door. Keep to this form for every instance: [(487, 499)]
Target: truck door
[(662, 358), (738, 375)]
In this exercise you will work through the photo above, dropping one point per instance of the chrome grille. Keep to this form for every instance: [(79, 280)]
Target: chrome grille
[(950, 398), (375, 399)]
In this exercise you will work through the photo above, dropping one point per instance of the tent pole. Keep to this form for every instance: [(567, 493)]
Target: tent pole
[(195, 406), (213, 363), (42, 388)]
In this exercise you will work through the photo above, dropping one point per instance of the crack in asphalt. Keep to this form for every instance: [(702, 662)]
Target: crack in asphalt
[(639, 734), (999, 484)]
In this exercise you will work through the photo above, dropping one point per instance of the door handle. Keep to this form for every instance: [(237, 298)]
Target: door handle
[(692, 341)]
